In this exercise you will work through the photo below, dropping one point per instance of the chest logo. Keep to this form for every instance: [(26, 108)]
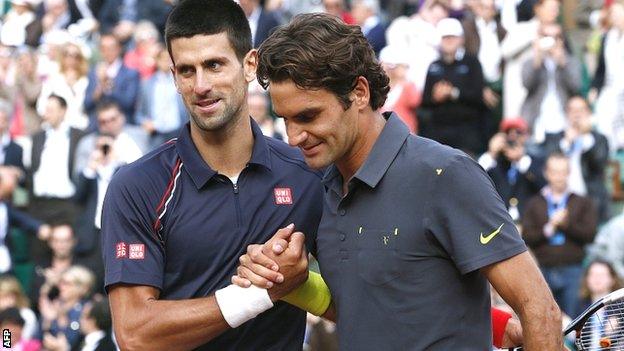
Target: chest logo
[(486, 239), (439, 171), (136, 251), (283, 196)]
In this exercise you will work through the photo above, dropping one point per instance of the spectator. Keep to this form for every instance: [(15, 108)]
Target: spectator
[(11, 154), (52, 162), (608, 85), (22, 86), (403, 97), (161, 110), (556, 225), (517, 175), (261, 21), (366, 14), (588, 152), (60, 312), (12, 296), (20, 25), (132, 12), (144, 55), (70, 83), (517, 49), (259, 109), (419, 36), (551, 75), (96, 324), (609, 244), (453, 93), (484, 35), (107, 13), (599, 280), (112, 80), (11, 320), (338, 9)]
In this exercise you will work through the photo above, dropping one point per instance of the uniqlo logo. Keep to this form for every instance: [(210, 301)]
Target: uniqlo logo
[(136, 251), (283, 196), (121, 250)]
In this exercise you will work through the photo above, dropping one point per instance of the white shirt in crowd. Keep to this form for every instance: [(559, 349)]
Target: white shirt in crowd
[(490, 54), (52, 179), (91, 340), (551, 119), (576, 182)]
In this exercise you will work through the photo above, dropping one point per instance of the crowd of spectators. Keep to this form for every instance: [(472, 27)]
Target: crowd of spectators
[(532, 89)]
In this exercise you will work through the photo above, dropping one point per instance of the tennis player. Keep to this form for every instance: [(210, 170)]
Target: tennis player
[(412, 231)]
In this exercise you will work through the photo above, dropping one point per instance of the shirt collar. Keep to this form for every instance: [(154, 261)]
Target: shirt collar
[(5, 140), (370, 23), (94, 337), (387, 146), (200, 171)]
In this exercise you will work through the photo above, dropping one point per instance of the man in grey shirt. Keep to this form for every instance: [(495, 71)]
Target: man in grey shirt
[(412, 231)]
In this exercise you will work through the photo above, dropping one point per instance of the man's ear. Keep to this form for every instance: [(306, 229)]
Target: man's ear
[(250, 65), (360, 94)]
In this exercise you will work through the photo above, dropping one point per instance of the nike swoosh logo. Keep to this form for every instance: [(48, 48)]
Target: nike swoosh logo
[(486, 239)]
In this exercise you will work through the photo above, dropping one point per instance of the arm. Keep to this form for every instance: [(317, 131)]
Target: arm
[(530, 298), (533, 224), (599, 75), (530, 74), (472, 94), (127, 94), (569, 75), (143, 322), (581, 226)]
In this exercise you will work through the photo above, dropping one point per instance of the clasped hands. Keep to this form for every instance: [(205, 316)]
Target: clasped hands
[(280, 265)]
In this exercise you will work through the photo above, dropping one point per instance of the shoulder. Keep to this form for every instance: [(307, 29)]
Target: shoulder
[(288, 157)]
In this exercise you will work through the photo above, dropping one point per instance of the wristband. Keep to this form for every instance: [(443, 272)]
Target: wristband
[(238, 305), (499, 323), (313, 296)]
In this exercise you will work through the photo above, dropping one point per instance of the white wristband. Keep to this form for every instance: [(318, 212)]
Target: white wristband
[(238, 305)]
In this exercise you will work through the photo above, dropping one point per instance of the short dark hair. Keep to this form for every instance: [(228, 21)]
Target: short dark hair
[(319, 51), (12, 315), (107, 104), (61, 100), (208, 17), (100, 313)]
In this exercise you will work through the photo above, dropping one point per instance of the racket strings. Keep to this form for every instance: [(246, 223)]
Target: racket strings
[(604, 330)]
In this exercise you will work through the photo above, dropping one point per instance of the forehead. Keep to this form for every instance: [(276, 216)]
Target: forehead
[(198, 48), (289, 100)]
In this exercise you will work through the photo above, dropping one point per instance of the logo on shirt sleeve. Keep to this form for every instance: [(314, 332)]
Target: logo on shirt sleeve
[(121, 250), (283, 196), (136, 251)]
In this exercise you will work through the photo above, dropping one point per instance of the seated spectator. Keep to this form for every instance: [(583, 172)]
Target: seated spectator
[(551, 76), (517, 174), (11, 320), (599, 280), (20, 25), (61, 306), (11, 154), (70, 82), (609, 244), (337, 8), (259, 109), (403, 97), (161, 112), (112, 80), (12, 295), (453, 94), (557, 224), (144, 55), (366, 14), (261, 21), (96, 326), (588, 151)]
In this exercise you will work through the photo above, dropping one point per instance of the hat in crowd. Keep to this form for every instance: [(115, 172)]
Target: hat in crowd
[(516, 123), (394, 55), (448, 27)]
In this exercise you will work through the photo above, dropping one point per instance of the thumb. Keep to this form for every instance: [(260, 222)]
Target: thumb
[(285, 233)]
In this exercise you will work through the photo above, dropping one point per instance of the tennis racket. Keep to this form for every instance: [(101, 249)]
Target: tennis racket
[(600, 326)]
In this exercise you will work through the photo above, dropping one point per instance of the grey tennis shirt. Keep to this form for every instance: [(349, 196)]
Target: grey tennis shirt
[(401, 252)]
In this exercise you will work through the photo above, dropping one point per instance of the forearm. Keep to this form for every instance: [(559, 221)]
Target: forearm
[(541, 324)]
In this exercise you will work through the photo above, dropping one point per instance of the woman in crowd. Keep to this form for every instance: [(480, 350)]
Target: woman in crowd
[(12, 296)]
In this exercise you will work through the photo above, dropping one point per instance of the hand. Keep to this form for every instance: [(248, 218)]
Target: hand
[(592, 95), (490, 98), (559, 218), (514, 153), (571, 134), (513, 334), (148, 126), (49, 309), (44, 232), (497, 144), (55, 343), (441, 91)]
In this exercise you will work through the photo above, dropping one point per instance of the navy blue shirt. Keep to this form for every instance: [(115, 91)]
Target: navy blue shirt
[(401, 252), (171, 222)]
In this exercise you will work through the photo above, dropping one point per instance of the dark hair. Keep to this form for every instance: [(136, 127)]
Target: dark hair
[(11, 315), (107, 104), (208, 17), (100, 312), (319, 51), (60, 100), (617, 282)]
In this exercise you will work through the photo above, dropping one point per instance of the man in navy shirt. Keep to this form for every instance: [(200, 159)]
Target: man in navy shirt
[(412, 231), (176, 221)]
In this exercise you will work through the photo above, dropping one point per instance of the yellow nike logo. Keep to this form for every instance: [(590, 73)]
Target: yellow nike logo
[(486, 239)]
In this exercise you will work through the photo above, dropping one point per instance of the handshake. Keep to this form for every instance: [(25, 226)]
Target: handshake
[(280, 265)]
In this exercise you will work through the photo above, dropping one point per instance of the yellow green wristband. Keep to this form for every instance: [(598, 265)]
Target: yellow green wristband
[(313, 296)]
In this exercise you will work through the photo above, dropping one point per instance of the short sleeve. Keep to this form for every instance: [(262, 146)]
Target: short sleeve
[(469, 218), (132, 252)]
